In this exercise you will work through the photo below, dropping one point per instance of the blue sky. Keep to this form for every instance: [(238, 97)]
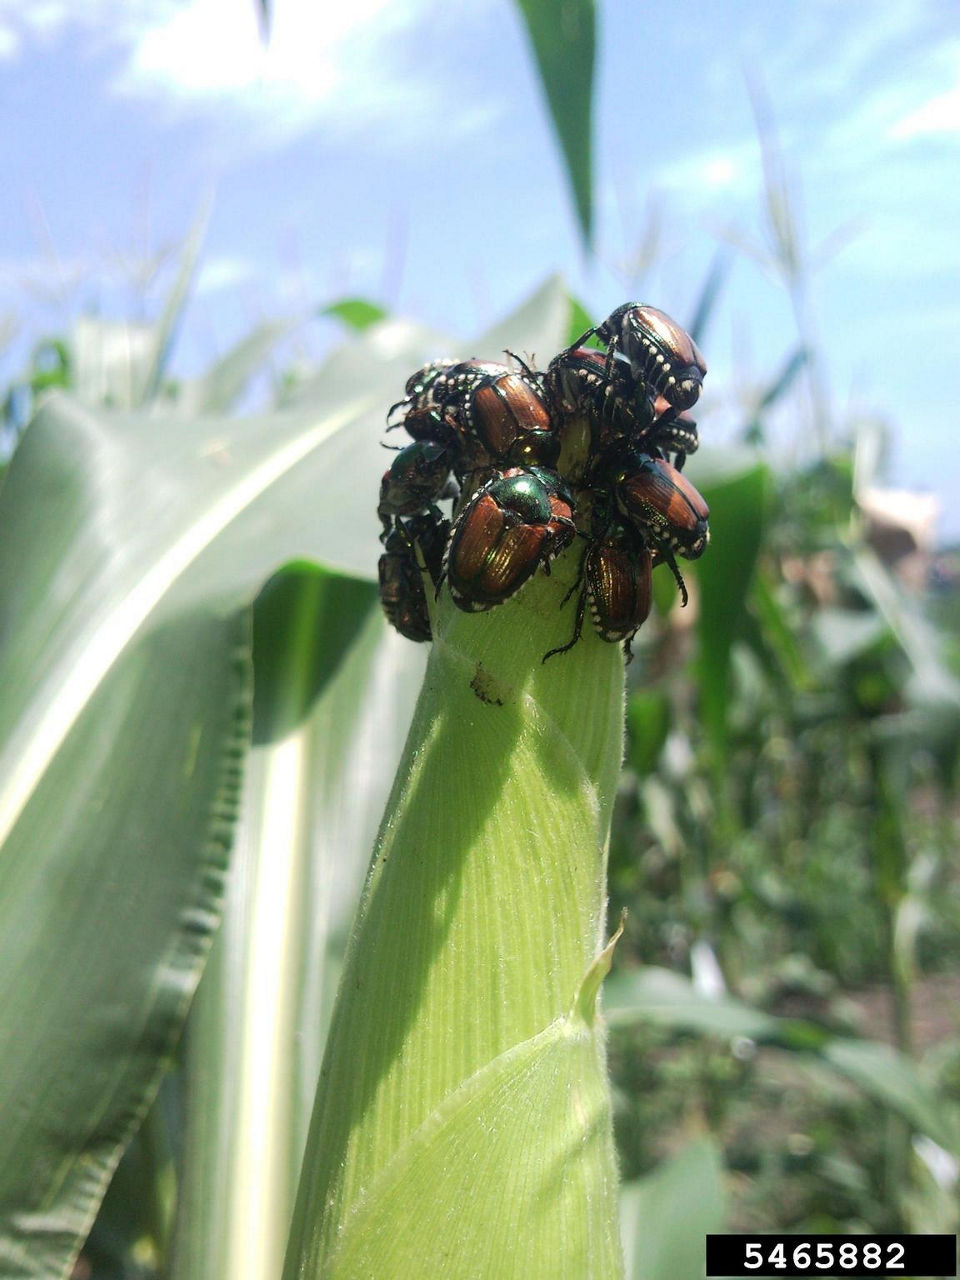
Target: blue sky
[(399, 149)]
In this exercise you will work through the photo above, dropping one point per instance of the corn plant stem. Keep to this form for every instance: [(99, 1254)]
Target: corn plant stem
[(485, 899), (901, 992)]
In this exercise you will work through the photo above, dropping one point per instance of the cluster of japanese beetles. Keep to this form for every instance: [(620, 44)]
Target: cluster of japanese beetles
[(498, 443)]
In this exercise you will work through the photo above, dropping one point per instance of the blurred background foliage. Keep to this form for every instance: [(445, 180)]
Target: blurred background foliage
[(785, 1035)]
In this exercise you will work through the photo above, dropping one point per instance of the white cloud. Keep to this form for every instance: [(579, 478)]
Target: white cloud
[(105, 23), (940, 115), (335, 62), (819, 59), (730, 167), (213, 47), (223, 273)]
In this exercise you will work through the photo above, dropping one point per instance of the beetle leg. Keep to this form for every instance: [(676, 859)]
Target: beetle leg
[(581, 606), (579, 578), (584, 337), (577, 629), (390, 521), (442, 575), (668, 558)]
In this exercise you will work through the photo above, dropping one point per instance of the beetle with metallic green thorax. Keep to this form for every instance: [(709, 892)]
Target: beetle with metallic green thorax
[(418, 477), (513, 524), (402, 592)]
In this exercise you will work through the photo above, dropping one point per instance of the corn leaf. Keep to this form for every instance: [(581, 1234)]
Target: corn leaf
[(670, 1000), (563, 36), (665, 1218), (738, 493), (132, 548), (331, 711), (329, 720)]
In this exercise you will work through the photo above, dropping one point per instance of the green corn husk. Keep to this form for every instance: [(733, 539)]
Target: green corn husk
[(462, 1125)]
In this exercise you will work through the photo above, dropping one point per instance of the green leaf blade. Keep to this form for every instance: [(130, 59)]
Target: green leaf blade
[(563, 36), (125, 667), (330, 717), (358, 314), (738, 495), (665, 1217), (75, 874)]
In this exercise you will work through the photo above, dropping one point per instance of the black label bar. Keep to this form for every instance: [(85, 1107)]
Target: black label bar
[(832, 1256)]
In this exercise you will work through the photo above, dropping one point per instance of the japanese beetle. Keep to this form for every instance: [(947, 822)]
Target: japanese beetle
[(417, 391), (660, 351), (508, 416), (520, 519), (615, 579), (578, 381), (617, 404), (489, 411), (656, 497), (434, 387), (418, 476), (663, 504), (402, 592)]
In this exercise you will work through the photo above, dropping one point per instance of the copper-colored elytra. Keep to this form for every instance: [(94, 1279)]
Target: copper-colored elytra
[(402, 597), (674, 339), (525, 404), (562, 511), (669, 492), (620, 586), (412, 622), (513, 560), (692, 494), (479, 531), (508, 409), (499, 425)]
